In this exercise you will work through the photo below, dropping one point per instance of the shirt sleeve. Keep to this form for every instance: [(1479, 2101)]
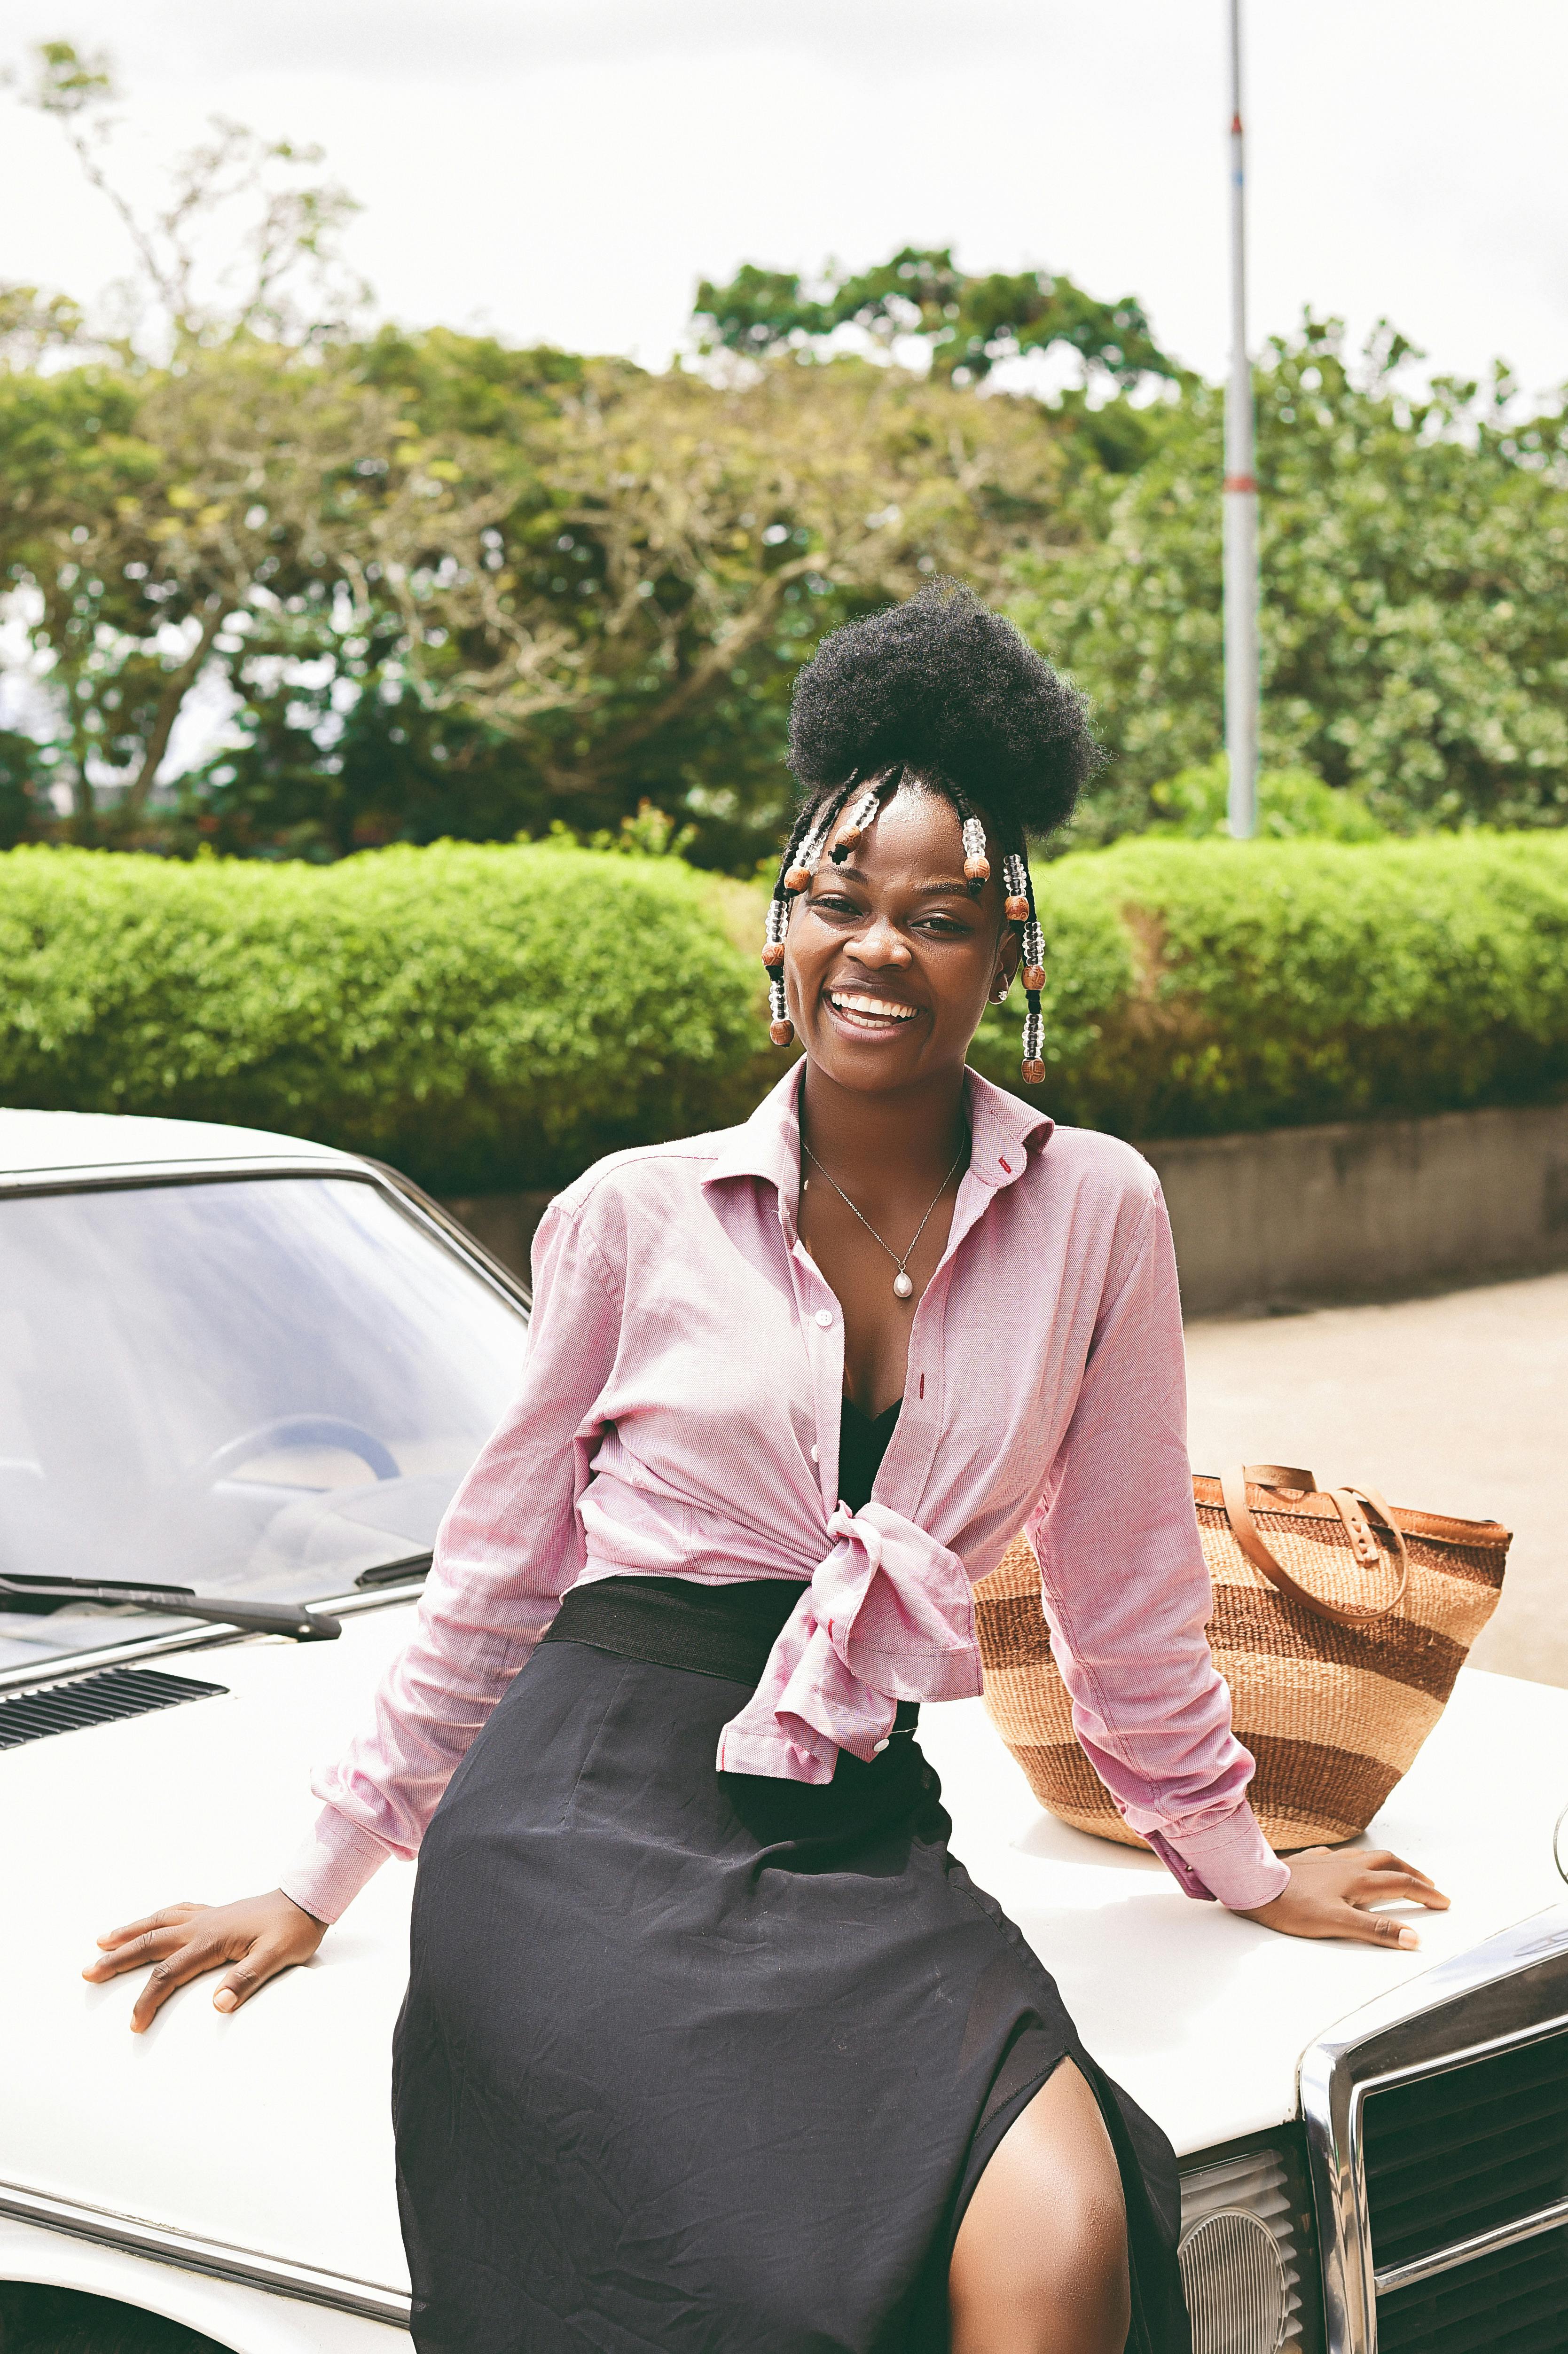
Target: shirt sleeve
[(508, 1549), (1128, 1595)]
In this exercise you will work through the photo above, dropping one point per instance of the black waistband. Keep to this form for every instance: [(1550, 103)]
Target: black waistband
[(712, 1630)]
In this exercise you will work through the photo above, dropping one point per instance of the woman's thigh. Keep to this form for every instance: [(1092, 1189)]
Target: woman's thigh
[(1040, 2265)]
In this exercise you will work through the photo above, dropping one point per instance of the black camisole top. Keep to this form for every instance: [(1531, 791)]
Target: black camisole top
[(863, 1443)]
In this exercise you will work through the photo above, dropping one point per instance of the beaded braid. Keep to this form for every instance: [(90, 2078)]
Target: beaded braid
[(802, 857), (1019, 885), (977, 865), (864, 812)]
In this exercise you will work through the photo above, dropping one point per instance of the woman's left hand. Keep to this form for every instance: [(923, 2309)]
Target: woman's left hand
[(1331, 1890)]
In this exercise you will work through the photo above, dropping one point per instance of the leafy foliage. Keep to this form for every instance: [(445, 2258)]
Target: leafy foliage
[(1415, 604), (967, 323), (1196, 989), (448, 589), (458, 590), (495, 1018), (1290, 801), (485, 1018)]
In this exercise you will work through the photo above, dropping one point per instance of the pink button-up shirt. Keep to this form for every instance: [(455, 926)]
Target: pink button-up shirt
[(679, 1417)]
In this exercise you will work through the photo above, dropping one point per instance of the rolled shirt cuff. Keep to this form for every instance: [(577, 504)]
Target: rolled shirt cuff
[(1228, 1860), (325, 1875)]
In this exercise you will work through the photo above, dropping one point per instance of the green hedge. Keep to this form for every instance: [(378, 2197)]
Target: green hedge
[(1198, 988), (491, 1019), (482, 1018)]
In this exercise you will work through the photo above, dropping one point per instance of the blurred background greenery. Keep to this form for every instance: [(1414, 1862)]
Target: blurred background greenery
[(396, 586)]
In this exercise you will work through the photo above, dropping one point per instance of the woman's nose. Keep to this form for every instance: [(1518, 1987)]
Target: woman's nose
[(880, 946)]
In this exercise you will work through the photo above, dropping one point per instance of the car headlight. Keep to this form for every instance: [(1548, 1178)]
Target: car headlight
[(1247, 2254)]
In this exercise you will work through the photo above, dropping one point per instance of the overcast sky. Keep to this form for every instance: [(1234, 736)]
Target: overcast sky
[(566, 169)]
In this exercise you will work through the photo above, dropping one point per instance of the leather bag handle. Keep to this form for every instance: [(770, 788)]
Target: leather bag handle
[(1348, 1502)]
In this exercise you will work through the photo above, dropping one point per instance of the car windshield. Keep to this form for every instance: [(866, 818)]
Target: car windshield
[(259, 1386)]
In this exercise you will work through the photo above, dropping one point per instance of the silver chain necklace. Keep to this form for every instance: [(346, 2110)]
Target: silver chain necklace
[(902, 1286)]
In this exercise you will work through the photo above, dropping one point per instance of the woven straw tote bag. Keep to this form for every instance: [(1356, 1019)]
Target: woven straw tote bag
[(1340, 1624)]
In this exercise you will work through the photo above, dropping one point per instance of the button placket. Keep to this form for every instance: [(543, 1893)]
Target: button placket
[(823, 1330)]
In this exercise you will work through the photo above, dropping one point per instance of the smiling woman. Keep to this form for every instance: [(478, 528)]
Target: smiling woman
[(710, 2042)]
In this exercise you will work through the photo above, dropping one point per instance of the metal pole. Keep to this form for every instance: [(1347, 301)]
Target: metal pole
[(1240, 499)]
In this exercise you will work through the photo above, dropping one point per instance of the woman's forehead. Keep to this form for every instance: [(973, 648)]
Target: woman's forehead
[(917, 825)]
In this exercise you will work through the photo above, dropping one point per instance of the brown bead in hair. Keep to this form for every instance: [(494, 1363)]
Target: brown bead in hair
[(1017, 910), (781, 1032), (773, 954), (1033, 1073), (976, 870), (1033, 976)]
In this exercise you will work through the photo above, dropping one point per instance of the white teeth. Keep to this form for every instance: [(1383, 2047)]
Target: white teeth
[(878, 1006)]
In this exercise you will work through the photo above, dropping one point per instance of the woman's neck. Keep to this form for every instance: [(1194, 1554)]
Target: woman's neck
[(885, 1143)]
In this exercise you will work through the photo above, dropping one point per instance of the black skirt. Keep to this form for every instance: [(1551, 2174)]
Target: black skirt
[(703, 2062)]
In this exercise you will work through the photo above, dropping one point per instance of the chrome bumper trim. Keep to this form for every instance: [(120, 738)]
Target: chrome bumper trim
[(370, 2299)]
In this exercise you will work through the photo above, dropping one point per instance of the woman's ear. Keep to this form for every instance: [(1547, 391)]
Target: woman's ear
[(1007, 955)]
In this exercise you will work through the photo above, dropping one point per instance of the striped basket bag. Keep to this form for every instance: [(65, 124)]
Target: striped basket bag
[(1340, 1624)]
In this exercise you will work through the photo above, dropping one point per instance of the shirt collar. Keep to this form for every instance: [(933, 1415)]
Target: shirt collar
[(1004, 1131)]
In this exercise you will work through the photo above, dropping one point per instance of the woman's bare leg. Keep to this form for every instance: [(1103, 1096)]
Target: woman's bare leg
[(1040, 2265)]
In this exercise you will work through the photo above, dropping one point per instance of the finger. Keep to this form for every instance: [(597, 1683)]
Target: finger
[(1376, 1929), (263, 1962), (164, 1920), (176, 1969), (1395, 1887), (151, 1946), (1381, 1859)]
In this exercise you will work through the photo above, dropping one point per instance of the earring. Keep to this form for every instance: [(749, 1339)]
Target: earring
[(999, 994)]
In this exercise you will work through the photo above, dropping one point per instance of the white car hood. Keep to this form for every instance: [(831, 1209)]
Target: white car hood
[(269, 2129)]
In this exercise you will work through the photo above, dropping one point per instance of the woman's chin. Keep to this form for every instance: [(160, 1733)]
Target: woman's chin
[(870, 1061)]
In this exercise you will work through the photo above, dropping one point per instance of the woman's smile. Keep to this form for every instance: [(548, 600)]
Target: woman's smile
[(859, 1010)]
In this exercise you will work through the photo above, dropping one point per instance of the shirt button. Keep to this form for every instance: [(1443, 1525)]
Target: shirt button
[(824, 1317), (815, 1456)]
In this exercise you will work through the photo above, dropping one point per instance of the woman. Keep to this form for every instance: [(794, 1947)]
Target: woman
[(710, 2044)]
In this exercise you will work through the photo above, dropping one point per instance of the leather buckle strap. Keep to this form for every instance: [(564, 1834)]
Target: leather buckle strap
[(1348, 1503)]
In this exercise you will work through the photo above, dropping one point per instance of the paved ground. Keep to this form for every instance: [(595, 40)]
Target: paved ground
[(1456, 1404)]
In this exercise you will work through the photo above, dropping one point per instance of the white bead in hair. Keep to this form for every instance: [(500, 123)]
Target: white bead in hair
[(852, 835)]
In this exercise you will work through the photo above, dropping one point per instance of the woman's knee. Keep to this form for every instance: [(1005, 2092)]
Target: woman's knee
[(1040, 2261)]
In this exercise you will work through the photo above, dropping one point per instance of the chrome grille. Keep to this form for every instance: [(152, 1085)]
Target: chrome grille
[(1512, 2302), (1450, 2155)]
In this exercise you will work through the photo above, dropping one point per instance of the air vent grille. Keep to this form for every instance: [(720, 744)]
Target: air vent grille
[(94, 1700), (1460, 2152), (1515, 2302), (1232, 2313)]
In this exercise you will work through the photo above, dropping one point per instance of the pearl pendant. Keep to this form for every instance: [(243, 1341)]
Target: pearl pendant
[(902, 1287)]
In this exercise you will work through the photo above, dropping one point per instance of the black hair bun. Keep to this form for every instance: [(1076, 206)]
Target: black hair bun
[(952, 689)]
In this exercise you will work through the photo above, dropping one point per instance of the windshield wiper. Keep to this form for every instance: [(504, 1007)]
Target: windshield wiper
[(394, 1572), (179, 1602)]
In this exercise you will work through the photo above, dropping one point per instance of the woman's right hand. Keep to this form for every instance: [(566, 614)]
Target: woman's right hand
[(261, 1936)]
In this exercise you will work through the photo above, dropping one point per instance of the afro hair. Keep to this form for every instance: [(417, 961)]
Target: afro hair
[(952, 690)]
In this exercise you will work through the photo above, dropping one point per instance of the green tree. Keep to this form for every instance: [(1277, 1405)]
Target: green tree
[(967, 322), (637, 621), (1415, 604)]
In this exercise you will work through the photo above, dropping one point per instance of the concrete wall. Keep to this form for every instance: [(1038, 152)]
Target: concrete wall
[(1301, 1214), (1364, 1208)]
